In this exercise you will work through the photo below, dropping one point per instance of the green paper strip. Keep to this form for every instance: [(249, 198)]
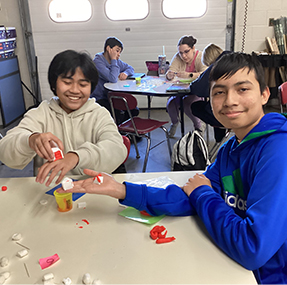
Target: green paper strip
[(186, 80), (134, 214)]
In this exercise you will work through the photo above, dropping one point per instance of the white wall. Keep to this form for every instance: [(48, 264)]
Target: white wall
[(259, 12), (9, 17), (143, 42), (145, 38)]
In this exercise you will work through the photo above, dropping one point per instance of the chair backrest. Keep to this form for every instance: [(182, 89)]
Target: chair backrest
[(283, 93), (152, 67), (122, 101)]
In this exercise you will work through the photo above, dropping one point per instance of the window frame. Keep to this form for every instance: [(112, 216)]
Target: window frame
[(120, 20), (71, 21), (189, 17)]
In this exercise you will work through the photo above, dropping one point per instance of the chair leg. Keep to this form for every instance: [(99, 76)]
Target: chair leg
[(167, 139), (146, 154), (136, 146)]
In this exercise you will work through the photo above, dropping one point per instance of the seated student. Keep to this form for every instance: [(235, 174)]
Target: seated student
[(82, 129), (241, 197), (186, 63), (200, 87), (111, 69)]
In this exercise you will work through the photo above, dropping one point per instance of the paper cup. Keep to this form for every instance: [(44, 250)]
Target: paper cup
[(64, 201)]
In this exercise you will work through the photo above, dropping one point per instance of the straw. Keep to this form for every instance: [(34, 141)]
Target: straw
[(163, 50)]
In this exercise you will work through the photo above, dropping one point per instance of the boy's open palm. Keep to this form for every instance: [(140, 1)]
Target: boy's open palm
[(109, 186)]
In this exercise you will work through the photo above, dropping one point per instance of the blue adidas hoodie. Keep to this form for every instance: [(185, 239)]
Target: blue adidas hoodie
[(245, 211)]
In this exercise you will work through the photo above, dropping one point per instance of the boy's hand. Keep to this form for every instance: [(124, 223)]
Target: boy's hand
[(122, 76), (112, 52), (42, 144), (61, 167), (194, 182), (109, 186)]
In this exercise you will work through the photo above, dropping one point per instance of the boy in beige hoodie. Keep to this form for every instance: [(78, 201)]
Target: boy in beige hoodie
[(83, 130)]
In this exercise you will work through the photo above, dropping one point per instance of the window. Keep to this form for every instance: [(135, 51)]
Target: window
[(126, 9), (183, 8), (70, 10)]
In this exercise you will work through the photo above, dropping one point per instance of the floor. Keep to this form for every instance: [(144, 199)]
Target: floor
[(159, 159)]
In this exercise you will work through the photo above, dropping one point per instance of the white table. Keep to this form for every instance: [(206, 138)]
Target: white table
[(150, 86), (114, 249)]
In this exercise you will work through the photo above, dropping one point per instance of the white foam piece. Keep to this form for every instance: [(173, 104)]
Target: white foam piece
[(67, 183), (67, 281), (22, 253), (16, 236), (48, 276), (87, 279), (82, 205), (4, 261)]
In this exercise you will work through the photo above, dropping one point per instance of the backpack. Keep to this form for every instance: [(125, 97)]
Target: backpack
[(190, 153)]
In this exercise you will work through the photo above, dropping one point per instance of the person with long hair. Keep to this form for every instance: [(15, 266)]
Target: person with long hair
[(186, 63)]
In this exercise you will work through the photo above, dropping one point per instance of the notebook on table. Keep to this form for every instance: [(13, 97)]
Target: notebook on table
[(179, 87)]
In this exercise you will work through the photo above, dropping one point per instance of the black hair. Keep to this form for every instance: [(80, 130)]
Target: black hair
[(230, 63), (113, 41), (187, 40), (67, 62)]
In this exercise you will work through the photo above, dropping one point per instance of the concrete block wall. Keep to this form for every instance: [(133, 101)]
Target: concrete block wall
[(257, 24)]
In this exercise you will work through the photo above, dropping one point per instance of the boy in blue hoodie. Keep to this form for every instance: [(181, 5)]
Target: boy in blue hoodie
[(241, 198), (111, 69)]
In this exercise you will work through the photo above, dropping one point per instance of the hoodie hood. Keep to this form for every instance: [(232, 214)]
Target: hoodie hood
[(54, 104), (270, 123)]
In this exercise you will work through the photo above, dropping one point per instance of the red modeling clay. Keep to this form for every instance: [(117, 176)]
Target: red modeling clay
[(158, 229), (4, 188), (165, 240), (161, 235), (157, 234), (145, 213), (84, 220), (153, 235)]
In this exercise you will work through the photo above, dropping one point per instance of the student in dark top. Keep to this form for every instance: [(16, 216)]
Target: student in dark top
[(200, 87)]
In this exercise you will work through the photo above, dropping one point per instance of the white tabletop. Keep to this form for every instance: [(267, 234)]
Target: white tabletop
[(150, 85), (111, 248)]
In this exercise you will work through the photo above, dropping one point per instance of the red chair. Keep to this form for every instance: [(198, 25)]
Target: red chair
[(282, 94), (127, 143), (135, 126), (152, 67)]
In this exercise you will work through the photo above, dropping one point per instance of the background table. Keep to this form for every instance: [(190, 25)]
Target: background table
[(150, 86), (112, 248)]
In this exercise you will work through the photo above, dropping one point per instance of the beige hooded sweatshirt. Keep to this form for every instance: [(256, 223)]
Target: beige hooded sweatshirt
[(89, 131)]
